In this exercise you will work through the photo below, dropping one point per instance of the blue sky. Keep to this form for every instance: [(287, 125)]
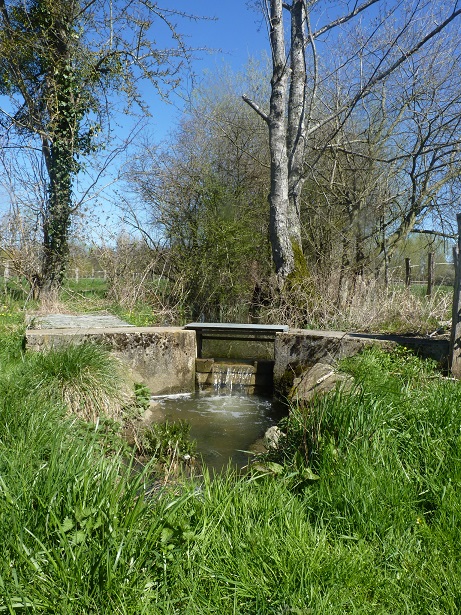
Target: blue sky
[(231, 33), (236, 34)]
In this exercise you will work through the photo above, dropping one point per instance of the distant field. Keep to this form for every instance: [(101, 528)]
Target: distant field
[(96, 287)]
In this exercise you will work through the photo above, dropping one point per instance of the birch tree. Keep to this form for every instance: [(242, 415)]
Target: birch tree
[(295, 113)]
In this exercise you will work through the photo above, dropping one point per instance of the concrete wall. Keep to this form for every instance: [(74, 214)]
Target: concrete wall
[(304, 347), (163, 358)]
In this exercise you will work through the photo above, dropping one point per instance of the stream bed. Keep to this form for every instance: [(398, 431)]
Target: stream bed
[(224, 426)]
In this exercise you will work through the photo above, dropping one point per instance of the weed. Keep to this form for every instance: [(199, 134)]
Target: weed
[(168, 442), (142, 396)]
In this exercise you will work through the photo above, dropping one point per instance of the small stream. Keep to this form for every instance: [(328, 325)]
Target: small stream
[(223, 424)]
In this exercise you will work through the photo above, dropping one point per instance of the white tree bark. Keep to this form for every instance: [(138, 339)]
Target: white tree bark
[(282, 250), (280, 218), (296, 135), (290, 119)]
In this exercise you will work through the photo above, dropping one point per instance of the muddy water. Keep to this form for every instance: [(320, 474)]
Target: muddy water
[(223, 426)]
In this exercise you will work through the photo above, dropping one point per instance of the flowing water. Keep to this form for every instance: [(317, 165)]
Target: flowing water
[(225, 422), (229, 379)]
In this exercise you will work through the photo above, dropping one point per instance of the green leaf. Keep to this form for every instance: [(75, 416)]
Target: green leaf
[(78, 537), (307, 474), (275, 468), (166, 534), (269, 467), (66, 525)]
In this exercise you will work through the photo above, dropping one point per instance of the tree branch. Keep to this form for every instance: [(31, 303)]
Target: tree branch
[(256, 108), (344, 18), (435, 233), (366, 89)]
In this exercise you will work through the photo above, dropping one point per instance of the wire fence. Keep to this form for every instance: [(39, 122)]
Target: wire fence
[(441, 274), (8, 272)]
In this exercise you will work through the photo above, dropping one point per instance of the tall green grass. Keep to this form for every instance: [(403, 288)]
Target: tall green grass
[(86, 532), (389, 462), (77, 532), (86, 378)]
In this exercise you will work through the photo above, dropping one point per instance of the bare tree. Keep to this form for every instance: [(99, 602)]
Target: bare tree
[(395, 162), (295, 113)]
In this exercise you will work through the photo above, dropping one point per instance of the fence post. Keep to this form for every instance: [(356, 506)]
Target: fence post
[(76, 274), (407, 273), (454, 358), (430, 273)]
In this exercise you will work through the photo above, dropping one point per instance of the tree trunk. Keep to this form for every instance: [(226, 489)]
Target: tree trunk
[(58, 148), (296, 135), (286, 139), (56, 225), (280, 232)]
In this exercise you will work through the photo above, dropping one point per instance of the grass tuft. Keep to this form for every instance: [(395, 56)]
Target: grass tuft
[(85, 378)]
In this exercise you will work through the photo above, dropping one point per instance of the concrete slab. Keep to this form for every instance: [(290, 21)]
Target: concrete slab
[(75, 321)]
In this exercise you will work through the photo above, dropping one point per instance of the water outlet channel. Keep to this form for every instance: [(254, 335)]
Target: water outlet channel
[(229, 413)]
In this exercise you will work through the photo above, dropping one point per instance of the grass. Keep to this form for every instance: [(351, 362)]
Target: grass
[(87, 287), (419, 290), (82, 530), (389, 462), (85, 378), (76, 530)]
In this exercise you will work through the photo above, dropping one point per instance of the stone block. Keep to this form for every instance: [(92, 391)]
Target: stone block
[(318, 380), (204, 366)]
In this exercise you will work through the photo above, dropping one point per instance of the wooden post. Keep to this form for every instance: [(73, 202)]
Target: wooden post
[(454, 358), (76, 274), (430, 273), (407, 273)]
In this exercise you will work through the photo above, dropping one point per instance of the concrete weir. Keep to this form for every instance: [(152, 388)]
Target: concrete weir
[(164, 358)]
